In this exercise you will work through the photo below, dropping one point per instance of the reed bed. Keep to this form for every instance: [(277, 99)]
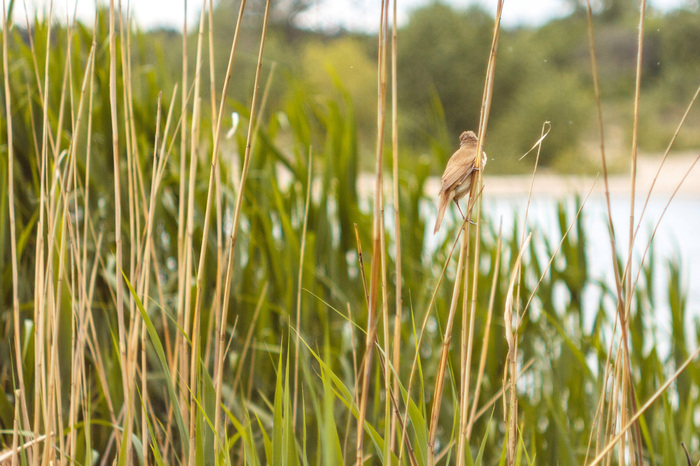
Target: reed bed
[(169, 298)]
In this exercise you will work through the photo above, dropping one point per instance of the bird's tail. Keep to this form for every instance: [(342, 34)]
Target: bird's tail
[(444, 201)]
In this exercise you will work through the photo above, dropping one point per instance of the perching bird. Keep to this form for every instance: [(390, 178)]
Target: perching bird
[(460, 170)]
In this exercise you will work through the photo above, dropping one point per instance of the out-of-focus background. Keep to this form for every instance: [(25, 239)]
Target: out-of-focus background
[(324, 48)]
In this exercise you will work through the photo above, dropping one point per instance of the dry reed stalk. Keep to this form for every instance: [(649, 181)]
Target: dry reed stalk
[(60, 206), (221, 338), (196, 319), (39, 271), (381, 123), (614, 402), (50, 292), (117, 217), (385, 353), (377, 266), (512, 339), (239, 199), (485, 341), (131, 189), (442, 367), (6, 455), (597, 420), (73, 231), (218, 202), (249, 338), (145, 272), (299, 284), (20, 399), (135, 192), (82, 335), (393, 401), (183, 271), (466, 346), (18, 393), (611, 444), (424, 324), (611, 230), (511, 332), (396, 360), (635, 441)]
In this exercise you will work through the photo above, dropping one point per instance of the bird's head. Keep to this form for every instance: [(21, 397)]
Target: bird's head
[(467, 137)]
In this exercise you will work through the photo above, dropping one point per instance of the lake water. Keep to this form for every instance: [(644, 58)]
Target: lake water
[(677, 237)]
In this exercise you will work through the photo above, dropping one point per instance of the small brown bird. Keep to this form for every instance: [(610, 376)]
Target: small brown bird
[(460, 170)]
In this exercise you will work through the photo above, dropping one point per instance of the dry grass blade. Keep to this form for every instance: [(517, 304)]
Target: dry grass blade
[(10, 454), (665, 156), (556, 251), (663, 212)]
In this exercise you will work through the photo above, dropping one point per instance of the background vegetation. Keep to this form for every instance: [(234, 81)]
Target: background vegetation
[(544, 74), (211, 276)]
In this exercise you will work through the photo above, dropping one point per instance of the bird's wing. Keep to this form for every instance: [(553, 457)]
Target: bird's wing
[(459, 167)]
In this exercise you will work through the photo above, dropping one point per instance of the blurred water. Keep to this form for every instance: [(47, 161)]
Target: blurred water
[(676, 239)]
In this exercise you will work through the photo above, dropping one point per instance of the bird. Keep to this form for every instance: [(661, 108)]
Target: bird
[(458, 175)]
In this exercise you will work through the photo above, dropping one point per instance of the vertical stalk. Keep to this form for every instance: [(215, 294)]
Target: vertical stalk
[(244, 176), (442, 367), (628, 383), (117, 221), (377, 232), (183, 270), (20, 399), (40, 280), (397, 217), (485, 342), (194, 149)]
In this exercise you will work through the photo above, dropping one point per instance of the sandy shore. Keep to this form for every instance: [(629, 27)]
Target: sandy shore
[(555, 184), (547, 183)]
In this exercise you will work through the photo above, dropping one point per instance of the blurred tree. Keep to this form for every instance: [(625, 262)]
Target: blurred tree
[(344, 61), (445, 50), (283, 13), (608, 10)]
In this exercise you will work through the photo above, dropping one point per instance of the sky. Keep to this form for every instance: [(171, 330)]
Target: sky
[(356, 15)]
